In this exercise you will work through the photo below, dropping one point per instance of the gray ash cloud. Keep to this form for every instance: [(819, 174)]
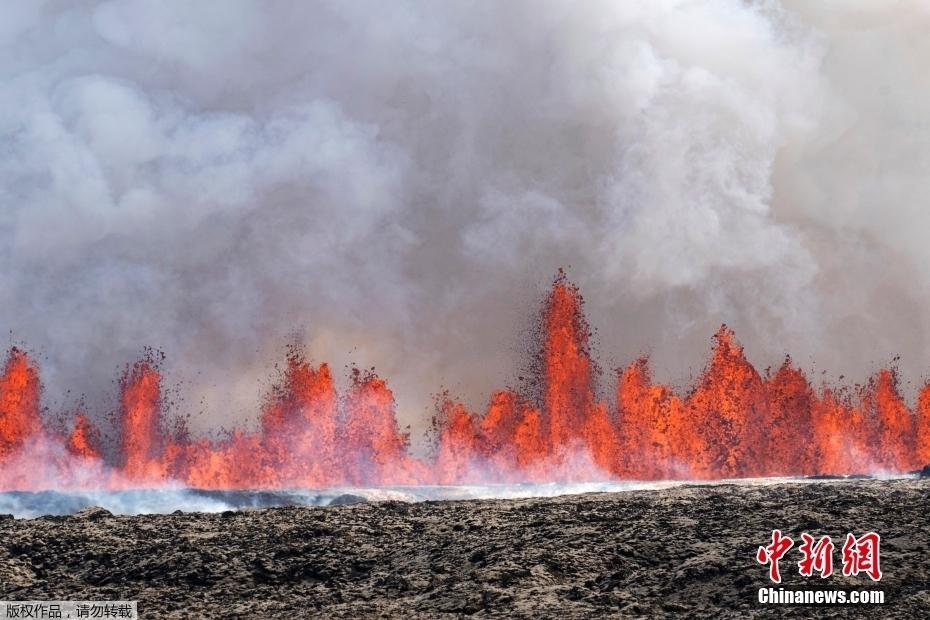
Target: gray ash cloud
[(398, 182)]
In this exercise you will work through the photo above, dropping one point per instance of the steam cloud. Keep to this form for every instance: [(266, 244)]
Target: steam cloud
[(395, 181)]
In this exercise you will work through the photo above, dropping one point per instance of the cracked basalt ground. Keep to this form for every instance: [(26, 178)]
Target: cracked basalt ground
[(686, 551)]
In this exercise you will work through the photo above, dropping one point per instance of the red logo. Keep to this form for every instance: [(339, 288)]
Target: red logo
[(773, 553), (860, 555), (817, 556)]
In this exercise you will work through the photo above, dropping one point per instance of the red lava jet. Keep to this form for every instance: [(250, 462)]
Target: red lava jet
[(734, 422)]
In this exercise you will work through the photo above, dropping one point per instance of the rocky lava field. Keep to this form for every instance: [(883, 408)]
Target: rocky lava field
[(687, 551)]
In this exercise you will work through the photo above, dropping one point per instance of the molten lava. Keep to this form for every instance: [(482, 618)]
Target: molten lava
[(143, 440), (84, 439), (19, 403), (733, 423)]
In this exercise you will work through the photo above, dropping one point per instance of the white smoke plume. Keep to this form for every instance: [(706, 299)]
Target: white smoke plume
[(397, 181)]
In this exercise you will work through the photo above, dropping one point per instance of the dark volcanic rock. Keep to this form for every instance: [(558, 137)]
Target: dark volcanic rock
[(94, 513), (686, 551), (925, 472), (347, 499)]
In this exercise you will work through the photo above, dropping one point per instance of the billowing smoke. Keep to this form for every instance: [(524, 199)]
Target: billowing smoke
[(395, 183)]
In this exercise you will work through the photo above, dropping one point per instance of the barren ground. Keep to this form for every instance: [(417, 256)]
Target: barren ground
[(681, 552)]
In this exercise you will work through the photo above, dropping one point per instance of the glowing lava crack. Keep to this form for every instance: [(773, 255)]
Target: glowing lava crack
[(733, 423)]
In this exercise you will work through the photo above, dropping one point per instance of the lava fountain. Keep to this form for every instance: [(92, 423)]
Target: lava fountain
[(734, 422)]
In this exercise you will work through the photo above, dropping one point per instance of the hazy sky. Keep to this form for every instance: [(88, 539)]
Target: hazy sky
[(396, 183)]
